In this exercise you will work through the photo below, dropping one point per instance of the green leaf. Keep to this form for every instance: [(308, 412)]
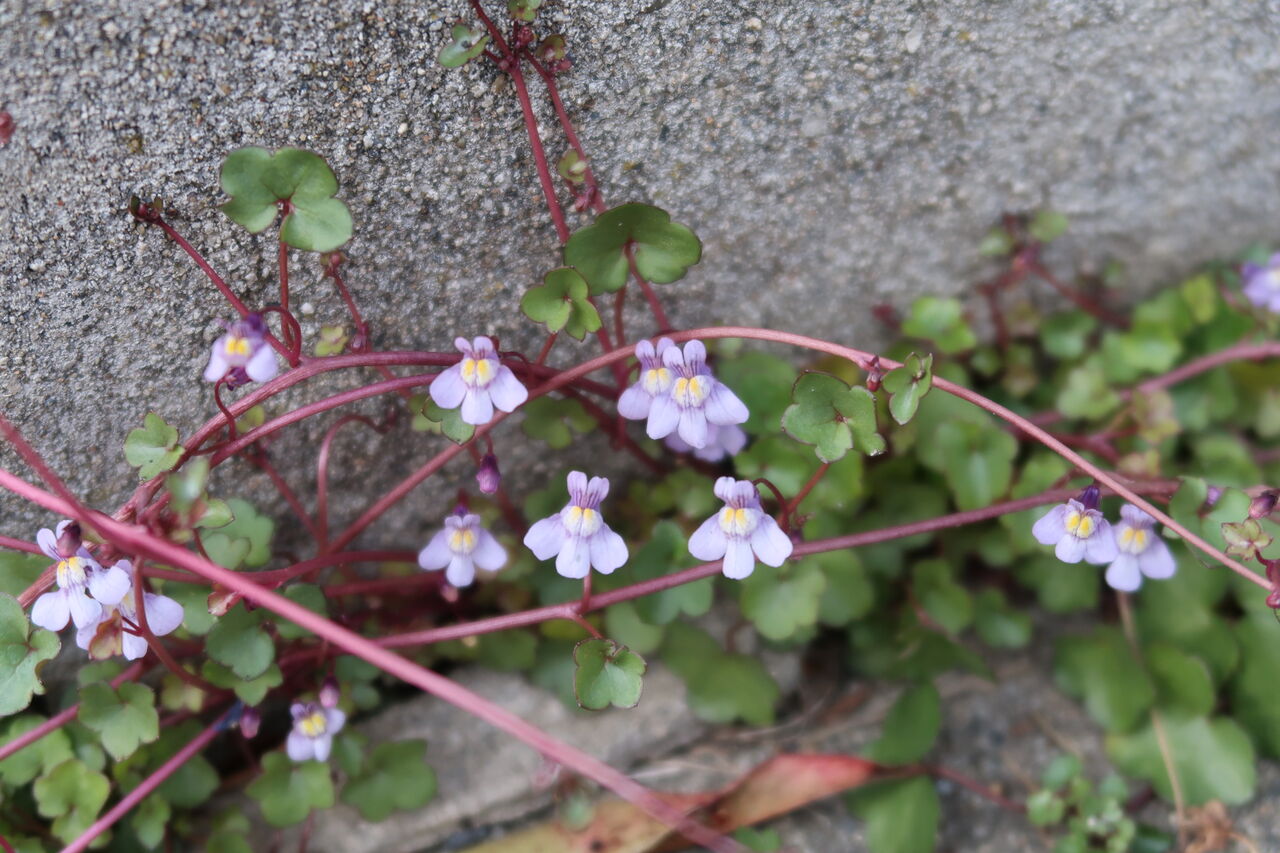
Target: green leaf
[(466, 45), (238, 641), (721, 687), (561, 302), (428, 417), (607, 674), (760, 840), (36, 758), (1060, 771), (976, 459), (1086, 393), (850, 593), (395, 776), (125, 718), (523, 10), (996, 243), (763, 382), (1047, 225), (555, 420), (72, 793), (624, 625), (288, 791), (18, 571), (23, 652), (1253, 688), (250, 691), (246, 539), (150, 820), (1213, 759), (193, 783), (1045, 808), (947, 602), (309, 596), (152, 448), (258, 181), (663, 250), (332, 340), (782, 602), (907, 385), (941, 321), (661, 555), (828, 414), (1100, 669), (900, 816), (1182, 682), (910, 728), (572, 167), (1065, 335), (999, 625)]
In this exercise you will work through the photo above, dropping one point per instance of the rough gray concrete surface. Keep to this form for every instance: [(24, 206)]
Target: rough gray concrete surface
[(830, 155)]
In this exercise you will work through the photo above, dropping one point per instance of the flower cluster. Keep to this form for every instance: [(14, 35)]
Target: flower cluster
[(677, 394), (1077, 530)]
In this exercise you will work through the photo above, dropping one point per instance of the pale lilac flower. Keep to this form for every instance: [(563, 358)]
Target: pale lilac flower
[(478, 383), (655, 380), (696, 398), (722, 441), (577, 536), (243, 352), (740, 532), (1077, 530), (462, 546), (112, 633), (78, 576), (1142, 552), (1262, 283), (313, 729)]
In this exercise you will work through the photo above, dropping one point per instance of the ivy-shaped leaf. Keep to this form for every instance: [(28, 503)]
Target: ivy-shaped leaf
[(910, 727), (561, 302), (309, 596), (663, 250), (1245, 538), (36, 758), (1086, 393), (572, 167), (552, 49), (1213, 759), (664, 551), (942, 321), (125, 718), (287, 791), (238, 641), (607, 674), (428, 417), (722, 688), (259, 181), (332, 340), (523, 10), (250, 691), (466, 45), (394, 776), (245, 539), (22, 653), (782, 602), (555, 420), (1100, 669), (152, 448), (150, 819), (907, 385), (828, 414), (72, 794)]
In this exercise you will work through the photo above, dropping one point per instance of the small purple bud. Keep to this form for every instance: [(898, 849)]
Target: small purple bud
[(488, 477), (1090, 496), (1211, 496), (69, 540), (330, 692), (250, 721), (1263, 505)]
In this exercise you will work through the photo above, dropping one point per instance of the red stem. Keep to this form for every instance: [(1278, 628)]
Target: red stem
[(260, 459), (284, 277), (322, 472), (588, 177)]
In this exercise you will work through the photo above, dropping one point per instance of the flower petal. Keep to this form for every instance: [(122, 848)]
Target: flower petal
[(50, 610), (634, 403), (1070, 549), (1051, 527), (436, 554), (723, 406), (546, 538), (506, 391), (738, 560), (84, 610), (695, 353), (48, 542), (489, 554), (574, 559), (461, 571), (262, 366), (132, 646), (299, 746), (1136, 518), (724, 488), (448, 388), (608, 550), (771, 545), (708, 542), (664, 417), (477, 409), (576, 482), (693, 427), (1100, 548), (109, 585), (164, 615), (218, 365), (1157, 561), (1123, 573), (334, 720), (597, 490)]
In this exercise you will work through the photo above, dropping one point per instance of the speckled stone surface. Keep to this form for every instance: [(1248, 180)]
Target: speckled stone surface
[(831, 155)]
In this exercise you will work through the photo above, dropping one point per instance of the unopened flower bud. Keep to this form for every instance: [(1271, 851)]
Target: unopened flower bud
[(330, 692), (1263, 505), (1211, 496), (488, 477), (1090, 496), (250, 721), (524, 36), (69, 540)]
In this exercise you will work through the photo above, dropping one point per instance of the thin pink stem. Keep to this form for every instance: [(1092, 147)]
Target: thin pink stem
[(322, 472), (149, 784), (263, 461), (588, 177), (284, 276), (19, 545)]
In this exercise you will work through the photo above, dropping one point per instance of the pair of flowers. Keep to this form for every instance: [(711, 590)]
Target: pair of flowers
[(99, 601), (579, 540), (1132, 550)]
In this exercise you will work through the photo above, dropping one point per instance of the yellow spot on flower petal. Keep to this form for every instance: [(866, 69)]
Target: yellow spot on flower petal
[(314, 724), (236, 346)]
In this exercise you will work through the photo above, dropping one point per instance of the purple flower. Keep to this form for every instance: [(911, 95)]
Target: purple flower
[(577, 536), (1077, 530), (462, 546), (112, 632), (722, 441), (478, 383), (1142, 552), (78, 576), (655, 380), (243, 351), (313, 729), (1262, 283), (740, 532), (695, 399)]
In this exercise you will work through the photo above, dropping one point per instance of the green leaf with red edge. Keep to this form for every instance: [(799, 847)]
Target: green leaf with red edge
[(663, 250)]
